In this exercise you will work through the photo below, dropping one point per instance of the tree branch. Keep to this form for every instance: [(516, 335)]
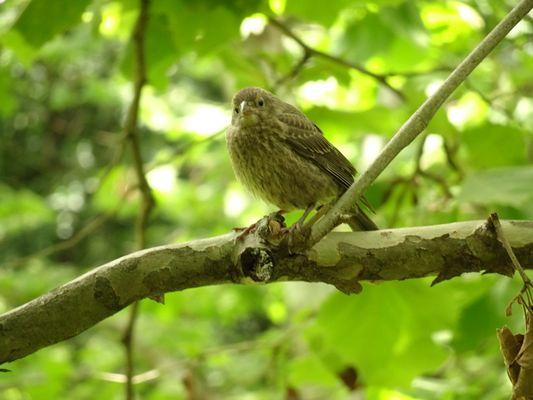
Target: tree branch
[(417, 122), (340, 259), (130, 126), (147, 199)]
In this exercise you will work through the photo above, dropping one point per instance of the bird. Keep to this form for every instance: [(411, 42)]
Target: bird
[(283, 158)]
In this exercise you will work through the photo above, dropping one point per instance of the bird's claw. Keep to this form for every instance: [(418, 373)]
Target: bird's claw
[(272, 229), (268, 227), (295, 235), (242, 232)]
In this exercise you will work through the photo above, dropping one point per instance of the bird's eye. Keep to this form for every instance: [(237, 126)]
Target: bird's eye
[(260, 103), (236, 110)]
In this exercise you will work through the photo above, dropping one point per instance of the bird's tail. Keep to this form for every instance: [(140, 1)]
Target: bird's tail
[(361, 222)]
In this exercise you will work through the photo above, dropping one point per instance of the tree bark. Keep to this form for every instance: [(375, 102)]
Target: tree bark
[(341, 259)]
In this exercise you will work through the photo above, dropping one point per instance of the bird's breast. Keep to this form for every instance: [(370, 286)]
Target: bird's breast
[(268, 167)]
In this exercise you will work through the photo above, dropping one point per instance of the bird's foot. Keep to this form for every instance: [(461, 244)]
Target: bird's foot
[(242, 232), (295, 236), (270, 226)]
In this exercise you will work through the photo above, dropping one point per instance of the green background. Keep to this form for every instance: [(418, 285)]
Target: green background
[(68, 200)]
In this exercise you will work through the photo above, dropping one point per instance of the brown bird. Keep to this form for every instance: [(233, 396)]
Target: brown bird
[(283, 158)]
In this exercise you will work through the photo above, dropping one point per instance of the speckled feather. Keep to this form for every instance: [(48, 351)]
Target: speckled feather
[(283, 157)]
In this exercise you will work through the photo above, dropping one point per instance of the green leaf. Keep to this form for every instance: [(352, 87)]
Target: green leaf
[(9, 101), (380, 120), (495, 145), (321, 11), (323, 69), (506, 186), (366, 37), (14, 41), (309, 370), (405, 20), (160, 52), (478, 323), (201, 28), (404, 55), (21, 210), (43, 19), (387, 326)]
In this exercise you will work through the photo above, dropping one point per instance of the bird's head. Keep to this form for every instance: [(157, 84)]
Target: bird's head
[(252, 105)]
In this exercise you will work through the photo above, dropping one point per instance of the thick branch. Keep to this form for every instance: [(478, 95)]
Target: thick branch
[(418, 121), (340, 259)]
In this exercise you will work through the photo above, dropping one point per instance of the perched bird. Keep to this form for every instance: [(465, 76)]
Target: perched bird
[(283, 158)]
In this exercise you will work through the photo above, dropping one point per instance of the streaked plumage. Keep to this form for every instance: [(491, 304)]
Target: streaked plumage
[(283, 157)]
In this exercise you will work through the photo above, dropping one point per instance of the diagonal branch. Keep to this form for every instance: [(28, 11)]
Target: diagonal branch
[(418, 121), (311, 51), (340, 259)]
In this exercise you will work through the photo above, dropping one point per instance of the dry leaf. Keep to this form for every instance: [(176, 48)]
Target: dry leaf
[(510, 346), (524, 385), (517, 351)]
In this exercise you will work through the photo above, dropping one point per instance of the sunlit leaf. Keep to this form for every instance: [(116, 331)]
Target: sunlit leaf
[(41, 20), (389, 325), (495, 145), (506, 186), (316, 10), (21, 210)]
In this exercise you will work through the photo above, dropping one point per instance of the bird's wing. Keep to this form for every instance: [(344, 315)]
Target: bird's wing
[(307, 140)]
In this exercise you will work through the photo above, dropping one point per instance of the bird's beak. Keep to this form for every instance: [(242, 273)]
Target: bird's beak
[(244, 108)]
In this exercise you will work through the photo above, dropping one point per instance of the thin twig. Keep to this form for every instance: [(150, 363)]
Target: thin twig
[(338, 60), (419, 154), (147, 200), (419, 171), (127, 341), (451, 153), (412, 182), (294, 70), (488, 101), (130, 128), (411, 74), (439, 180), (88, 229), (507, 246), (93, 225), (525, 297), (417, 122), (184, 149), (402, 193), (236, 347), (525, 89), (391, 186)]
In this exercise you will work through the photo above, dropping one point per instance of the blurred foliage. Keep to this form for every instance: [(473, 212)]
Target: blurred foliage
[(68, 200)]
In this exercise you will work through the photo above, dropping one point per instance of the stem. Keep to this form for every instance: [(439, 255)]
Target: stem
[(147, 200), (507, 246)]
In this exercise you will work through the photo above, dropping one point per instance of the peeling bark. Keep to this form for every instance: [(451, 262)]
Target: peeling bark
[(341, 259)]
